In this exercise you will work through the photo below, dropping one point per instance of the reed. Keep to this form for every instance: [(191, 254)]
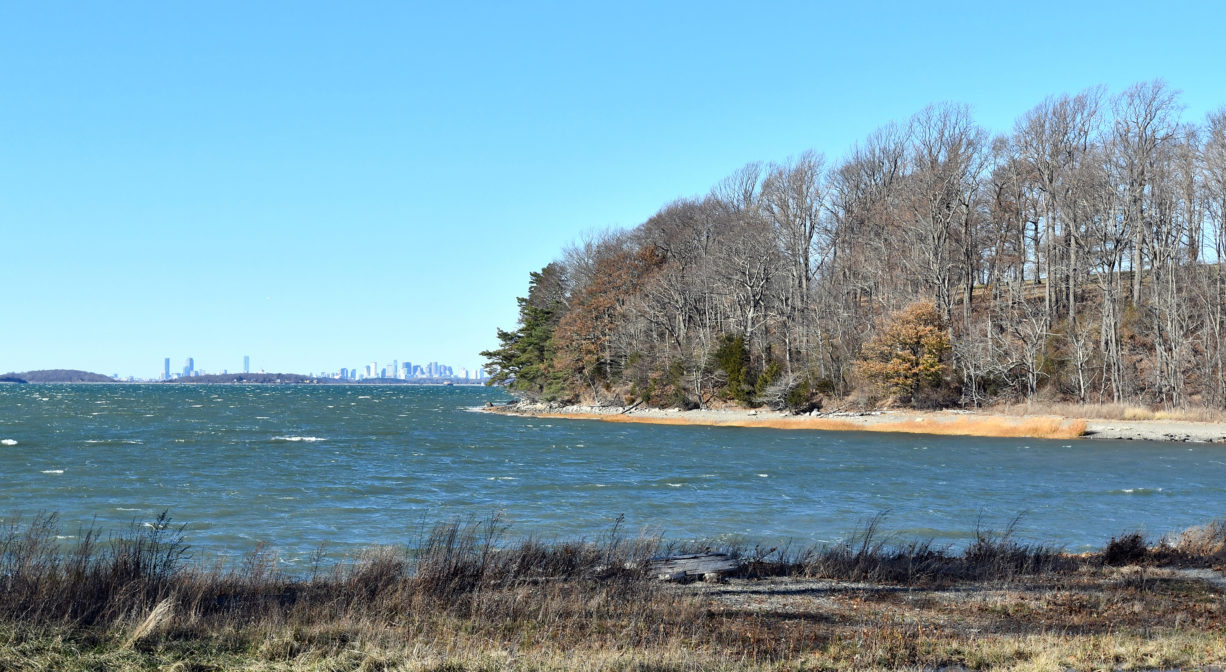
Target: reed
[(468, 598)]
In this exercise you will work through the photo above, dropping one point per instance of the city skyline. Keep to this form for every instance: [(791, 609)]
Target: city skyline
[(396, 370)]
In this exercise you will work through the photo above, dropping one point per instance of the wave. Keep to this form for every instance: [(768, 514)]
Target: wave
[(309, 439), (53, 471), (8, 442)]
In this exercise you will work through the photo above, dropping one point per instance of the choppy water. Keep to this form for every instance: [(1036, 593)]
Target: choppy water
[(355, 466)]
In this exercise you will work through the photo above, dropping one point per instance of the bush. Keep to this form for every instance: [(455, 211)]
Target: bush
[(1127, 549)]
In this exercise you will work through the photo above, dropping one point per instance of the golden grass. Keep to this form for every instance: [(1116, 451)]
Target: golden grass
[(987, 426), (1113, 412)]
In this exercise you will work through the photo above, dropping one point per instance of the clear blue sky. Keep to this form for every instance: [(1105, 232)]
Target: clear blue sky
[(320, 185)]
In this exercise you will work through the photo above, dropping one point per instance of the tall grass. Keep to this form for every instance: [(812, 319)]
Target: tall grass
[(463, 586), (1113, 411), (990, 426)]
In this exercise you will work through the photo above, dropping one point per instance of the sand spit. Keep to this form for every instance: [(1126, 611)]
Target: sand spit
[(960, 423)]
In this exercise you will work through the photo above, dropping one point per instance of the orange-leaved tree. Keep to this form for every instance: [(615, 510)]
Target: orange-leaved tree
[(908, 358)]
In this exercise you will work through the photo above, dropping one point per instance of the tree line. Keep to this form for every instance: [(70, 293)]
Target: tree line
[(1078, 256)]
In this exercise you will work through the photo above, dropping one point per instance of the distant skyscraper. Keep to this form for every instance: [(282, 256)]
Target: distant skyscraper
[(190, 367), (166, 369), (246, 363)]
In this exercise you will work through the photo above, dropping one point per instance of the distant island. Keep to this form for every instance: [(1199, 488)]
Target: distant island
[(55, 376)]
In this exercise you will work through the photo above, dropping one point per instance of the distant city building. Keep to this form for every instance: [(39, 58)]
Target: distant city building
[(166, 369), (189, 369), (246, 363)]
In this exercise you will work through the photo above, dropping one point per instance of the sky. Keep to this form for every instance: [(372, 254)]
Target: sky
[(322, 185)]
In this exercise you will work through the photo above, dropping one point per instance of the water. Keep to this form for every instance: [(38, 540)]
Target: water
[(349, 467)]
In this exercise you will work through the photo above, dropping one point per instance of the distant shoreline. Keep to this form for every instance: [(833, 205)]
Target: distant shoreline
[(75, 377), (950, 423)]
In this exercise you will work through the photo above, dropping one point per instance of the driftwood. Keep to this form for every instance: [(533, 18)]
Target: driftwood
[(707, 566)]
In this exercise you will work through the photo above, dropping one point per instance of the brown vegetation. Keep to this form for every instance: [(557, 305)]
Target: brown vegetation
[(469, 600), (1030, 427)]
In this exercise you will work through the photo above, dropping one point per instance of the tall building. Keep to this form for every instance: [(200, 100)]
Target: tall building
[(166, 369), (246, 363), (190, 367)]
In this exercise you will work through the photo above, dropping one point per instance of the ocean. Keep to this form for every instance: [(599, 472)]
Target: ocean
[(347, 467)]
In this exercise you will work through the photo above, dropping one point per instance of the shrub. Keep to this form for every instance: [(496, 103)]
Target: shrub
[(1126, 549)]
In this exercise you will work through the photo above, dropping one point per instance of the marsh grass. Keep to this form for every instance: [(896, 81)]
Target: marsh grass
[(463, 596), (1112, 411), (990, 426)]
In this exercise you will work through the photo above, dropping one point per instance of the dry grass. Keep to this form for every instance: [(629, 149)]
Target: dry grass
[(1113, 412), (468, 599), (967, 425)]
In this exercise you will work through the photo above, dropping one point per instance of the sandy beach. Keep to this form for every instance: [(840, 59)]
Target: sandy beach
[(949, 422)]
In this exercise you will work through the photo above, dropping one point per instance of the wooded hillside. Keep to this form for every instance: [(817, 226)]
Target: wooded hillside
[(1077, 256)]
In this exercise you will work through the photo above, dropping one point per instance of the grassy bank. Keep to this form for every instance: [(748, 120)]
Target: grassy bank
[(469, 599), (1047, 427)]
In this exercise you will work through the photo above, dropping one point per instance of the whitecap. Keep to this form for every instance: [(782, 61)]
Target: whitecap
[(53, 471), (8, 442), (675, 485), (298, 438), (501, 478), (764, 475), (120, 508)]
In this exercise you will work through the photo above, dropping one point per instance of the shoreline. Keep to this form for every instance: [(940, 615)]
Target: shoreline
[(948, 423)]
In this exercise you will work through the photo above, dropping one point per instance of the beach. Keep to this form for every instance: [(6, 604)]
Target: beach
[(946, 422)]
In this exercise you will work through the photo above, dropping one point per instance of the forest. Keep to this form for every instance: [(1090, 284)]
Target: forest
[(1077, 257)]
